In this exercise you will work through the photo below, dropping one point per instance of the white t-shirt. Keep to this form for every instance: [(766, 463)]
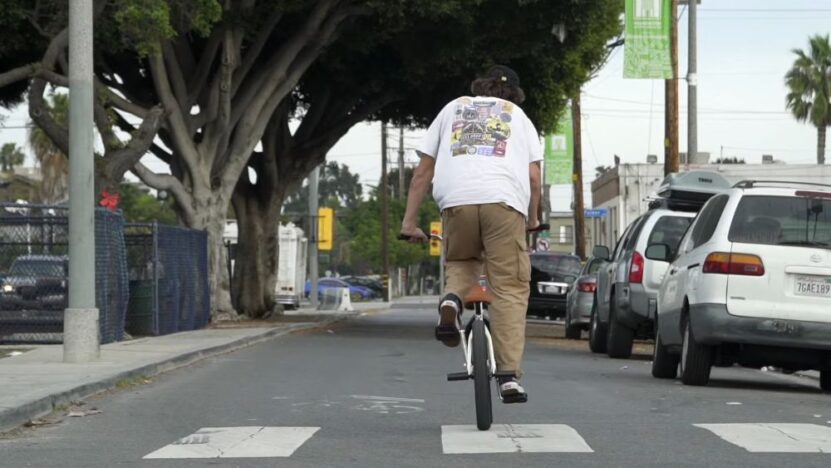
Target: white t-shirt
[(482, 147)]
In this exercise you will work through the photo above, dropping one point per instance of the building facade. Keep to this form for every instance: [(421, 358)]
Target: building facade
[(625, 190)]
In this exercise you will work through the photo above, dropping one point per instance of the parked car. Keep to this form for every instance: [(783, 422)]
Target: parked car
[(750, 285), (627, 286), (580, 297), (551, 277), (356, 293), (372, 284), (35, 282)]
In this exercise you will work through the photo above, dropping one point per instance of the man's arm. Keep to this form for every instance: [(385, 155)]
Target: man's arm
[(422, 177), (535, 176)]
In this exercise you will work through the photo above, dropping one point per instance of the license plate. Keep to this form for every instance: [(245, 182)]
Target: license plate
[(813, 286), (551, 288)]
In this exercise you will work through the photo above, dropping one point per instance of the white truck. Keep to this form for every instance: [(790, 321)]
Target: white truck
[(291, 266), (291, 263)]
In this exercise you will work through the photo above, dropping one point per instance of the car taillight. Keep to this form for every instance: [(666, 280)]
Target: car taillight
[(586, 287), (734, 264), (636, 269)]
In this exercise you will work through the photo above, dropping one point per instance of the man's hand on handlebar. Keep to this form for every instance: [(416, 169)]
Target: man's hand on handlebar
[(412, 234), (533, 224)]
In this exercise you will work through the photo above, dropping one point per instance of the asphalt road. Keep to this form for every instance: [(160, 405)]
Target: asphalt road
[(371, 392)]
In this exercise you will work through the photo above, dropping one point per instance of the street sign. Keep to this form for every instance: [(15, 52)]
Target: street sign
[(326, 231), (435, 245), (596, 212)]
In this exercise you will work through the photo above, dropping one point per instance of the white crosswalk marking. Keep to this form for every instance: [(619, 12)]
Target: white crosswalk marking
[(237, 442), (512, 438), (775, 438)]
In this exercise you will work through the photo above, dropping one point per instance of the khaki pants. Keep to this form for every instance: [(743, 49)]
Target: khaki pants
[(492, 236)]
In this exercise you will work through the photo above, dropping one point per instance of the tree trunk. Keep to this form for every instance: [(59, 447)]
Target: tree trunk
[(213, 221), (255, 267), (821, 144)]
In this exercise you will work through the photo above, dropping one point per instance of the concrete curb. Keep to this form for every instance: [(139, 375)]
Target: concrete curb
[(11, 418)]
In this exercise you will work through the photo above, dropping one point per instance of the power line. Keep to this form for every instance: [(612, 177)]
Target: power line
[(766, 10)]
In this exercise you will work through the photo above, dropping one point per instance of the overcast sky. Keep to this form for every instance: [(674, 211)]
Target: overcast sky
[(744, 50)]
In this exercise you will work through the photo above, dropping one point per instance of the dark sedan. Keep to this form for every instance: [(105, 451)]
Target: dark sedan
[(551, 276)]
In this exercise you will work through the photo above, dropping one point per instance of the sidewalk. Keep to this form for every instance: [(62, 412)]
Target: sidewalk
[(35, 382)]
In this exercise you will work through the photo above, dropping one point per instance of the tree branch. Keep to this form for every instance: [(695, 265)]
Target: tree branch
[(17, 74), (177, 80), (257, 89), (179, 129), (171, 184), (200, 76), (125, 158), (256, 48)]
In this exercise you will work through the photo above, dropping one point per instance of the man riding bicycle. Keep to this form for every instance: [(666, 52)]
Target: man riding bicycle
[(482, 155)]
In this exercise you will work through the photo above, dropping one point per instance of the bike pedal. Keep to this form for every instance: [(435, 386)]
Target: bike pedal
[(520, 398), (455, 376)]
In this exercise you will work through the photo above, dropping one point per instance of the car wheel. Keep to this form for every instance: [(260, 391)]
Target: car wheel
[(597, 332), (696, 359), (620, 337), (572, 331), (664, 363), (825, 380)]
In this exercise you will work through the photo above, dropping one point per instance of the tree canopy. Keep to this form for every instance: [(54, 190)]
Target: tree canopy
[(211, 88)]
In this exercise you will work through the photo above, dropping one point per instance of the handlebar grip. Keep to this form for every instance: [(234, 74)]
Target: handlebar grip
[(404, 237), (541, 227)]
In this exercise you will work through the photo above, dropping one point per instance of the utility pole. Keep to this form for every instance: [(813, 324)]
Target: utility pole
[(81, 340), (402, 190), (313, 228), (671, 98), (692, 84), (384, 187), (577, 178)]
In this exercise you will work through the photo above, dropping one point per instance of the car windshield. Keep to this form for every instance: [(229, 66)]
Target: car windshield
[(36, 268), (557, 265), (594, 266), (781, 220), (669, 230)]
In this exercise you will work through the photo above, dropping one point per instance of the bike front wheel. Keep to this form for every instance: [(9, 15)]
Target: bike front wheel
[(481, 377)]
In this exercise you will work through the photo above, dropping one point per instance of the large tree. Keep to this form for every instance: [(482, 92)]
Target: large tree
[(809, 88), (404, 73), (210, 87)]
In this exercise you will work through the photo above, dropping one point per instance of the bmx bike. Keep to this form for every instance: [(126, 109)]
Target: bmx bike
[(477, 347)]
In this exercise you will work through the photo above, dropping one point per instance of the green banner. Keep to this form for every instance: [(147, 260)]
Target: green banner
[(559, 151), (647, 47)]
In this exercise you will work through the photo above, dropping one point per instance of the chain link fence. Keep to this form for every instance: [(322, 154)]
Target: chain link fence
[(168, 273), (34, 273)]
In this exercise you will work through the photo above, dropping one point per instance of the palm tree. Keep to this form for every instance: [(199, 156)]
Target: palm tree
[(54, 164), (10, 156), (809, 82)]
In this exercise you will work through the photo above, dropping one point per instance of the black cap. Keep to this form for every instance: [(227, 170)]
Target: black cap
[(503, 73)]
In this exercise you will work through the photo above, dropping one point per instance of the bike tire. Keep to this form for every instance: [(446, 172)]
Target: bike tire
[(481, 377)]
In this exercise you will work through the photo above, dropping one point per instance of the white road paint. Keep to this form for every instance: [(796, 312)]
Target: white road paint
[(387, 405), (512, 438), (774, 438), (237, 442)]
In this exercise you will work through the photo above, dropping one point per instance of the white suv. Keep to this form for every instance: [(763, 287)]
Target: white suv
[(750, 285)]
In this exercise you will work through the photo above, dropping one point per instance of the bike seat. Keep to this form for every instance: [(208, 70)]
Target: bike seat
[(477, 294)]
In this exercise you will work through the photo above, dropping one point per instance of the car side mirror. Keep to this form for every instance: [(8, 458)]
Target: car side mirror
[(659, 252), (601, 252)]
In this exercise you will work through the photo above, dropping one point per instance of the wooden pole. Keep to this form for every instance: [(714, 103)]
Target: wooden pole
[(577, 178), (671, 161)]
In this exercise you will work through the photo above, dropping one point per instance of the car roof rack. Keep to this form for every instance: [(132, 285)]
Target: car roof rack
[(750, 183), (688, 191)]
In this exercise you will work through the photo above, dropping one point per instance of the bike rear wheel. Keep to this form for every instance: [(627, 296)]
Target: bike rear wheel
[(481, 377)]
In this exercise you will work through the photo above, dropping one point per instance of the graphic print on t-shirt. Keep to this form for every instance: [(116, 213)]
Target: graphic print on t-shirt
[(481, 128)]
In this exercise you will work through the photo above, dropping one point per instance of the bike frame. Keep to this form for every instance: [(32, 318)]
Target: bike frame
[(467, 345)]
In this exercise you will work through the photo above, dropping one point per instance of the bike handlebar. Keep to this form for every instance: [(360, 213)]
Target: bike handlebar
[(541, 227)]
